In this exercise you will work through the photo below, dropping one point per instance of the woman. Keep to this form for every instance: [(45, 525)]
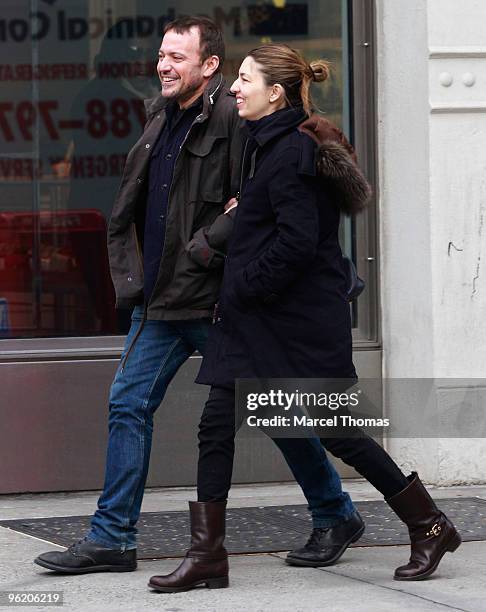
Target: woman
[(283, 312)]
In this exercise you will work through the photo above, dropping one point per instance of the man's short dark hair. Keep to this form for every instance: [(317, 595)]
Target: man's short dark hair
[(210, 35)]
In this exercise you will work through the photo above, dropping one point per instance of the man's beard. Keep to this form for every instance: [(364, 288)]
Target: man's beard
[(186, 93)]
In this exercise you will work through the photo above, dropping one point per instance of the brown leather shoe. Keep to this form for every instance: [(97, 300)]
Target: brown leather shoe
[(431, 533), (206, 562)]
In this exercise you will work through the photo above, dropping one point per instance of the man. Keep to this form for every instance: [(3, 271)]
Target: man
[(177, 179)]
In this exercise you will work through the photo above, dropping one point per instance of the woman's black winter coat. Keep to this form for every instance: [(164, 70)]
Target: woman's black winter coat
[(283, 309)]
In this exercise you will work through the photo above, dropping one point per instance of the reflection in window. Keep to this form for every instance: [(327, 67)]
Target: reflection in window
[(74, 76)]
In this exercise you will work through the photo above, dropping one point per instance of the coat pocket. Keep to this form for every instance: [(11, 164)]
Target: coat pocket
[(126, 265), (208, 182)]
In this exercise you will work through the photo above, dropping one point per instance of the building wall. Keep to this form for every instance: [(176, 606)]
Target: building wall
[(431, 102)]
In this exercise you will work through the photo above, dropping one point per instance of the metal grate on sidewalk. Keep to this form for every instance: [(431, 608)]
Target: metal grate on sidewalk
[(257, 530)]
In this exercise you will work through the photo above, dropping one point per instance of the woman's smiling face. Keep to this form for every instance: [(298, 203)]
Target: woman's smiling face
[(254, 98)]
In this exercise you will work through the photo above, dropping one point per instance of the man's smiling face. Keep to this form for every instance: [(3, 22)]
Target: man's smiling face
[(180, 70)]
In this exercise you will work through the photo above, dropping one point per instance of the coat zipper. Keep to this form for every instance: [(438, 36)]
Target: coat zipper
[(238, 195), (217, 314), (139, 255), (139, 250), (184, 142), (172, 182)]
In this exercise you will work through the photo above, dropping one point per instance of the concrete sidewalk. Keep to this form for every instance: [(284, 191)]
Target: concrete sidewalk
[(362, 580)]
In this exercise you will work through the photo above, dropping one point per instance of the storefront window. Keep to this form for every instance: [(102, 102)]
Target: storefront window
[(73, 76)]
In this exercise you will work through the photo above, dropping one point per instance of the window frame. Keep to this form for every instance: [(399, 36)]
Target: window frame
[(366, 336), (361, 14)]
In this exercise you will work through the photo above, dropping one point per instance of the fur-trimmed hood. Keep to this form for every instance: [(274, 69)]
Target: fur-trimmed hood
[(336, 163)]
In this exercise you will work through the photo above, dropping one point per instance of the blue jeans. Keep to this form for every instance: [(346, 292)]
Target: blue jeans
[(138, 389), (328, 504)]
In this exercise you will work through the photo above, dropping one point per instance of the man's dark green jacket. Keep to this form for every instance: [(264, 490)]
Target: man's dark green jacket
[(206, 176)]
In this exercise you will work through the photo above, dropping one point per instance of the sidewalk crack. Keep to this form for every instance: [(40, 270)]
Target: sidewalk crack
[(389, 588)]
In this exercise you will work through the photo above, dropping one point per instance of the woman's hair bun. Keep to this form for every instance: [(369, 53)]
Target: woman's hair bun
[(320, 70)]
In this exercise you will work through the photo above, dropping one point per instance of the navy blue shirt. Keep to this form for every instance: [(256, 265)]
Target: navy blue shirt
[(161, 170)]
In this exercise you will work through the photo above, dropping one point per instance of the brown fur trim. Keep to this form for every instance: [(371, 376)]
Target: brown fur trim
[(321, 129), (337, 164), (350, 189)]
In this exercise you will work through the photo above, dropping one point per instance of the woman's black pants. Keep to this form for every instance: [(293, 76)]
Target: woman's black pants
[(217, 445)]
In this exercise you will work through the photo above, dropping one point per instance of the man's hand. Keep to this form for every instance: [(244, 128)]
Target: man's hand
[(230, 204)]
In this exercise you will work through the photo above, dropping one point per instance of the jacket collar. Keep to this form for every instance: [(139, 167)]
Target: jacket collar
[(265, 129), (210, 95)]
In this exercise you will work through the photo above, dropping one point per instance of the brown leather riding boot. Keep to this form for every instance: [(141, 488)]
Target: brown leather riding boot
[(206, 562), (431, 533)]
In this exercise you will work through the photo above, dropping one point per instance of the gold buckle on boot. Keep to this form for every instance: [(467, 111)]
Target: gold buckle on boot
[(435, 531)]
